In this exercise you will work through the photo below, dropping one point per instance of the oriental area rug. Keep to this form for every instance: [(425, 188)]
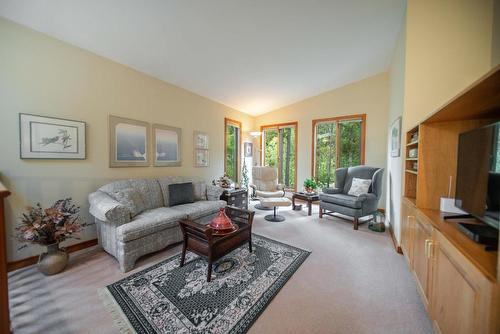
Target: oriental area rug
[(166, 298)]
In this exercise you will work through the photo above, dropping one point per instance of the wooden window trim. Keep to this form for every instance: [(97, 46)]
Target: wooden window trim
[(337, 119), (229, 121), (278, 125)]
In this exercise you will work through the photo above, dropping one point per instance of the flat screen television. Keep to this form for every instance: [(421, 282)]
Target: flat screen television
[(478, 174)]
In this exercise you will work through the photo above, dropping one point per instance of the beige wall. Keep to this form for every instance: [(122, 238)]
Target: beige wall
[(44, 76), (368, 96), (448, 46)]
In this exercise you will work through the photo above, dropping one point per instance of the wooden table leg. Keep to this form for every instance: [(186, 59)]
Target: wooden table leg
[(209, 270), (309, 208), (293, 202)]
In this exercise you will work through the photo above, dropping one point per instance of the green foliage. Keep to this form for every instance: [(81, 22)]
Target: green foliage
[(310, 183), (349, 147), (279, 151), (244, 176), (231, 151)]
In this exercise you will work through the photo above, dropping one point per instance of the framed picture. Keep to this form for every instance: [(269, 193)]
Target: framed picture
[(396, 138), (201, 158), (167, 145), (128, 142), (44, 137), (248, 148), (200, 140)]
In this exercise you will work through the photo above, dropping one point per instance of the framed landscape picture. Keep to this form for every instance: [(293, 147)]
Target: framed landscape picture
[(396, 138), (128, 142), (201, 158), (200, 140), (44, 137), (167, 145)]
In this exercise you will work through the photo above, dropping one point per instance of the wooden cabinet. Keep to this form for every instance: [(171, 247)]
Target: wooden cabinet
[(422, 237), (236, 197), (407, 228), (462, 298)]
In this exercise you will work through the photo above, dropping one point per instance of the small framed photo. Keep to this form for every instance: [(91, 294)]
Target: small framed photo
[(200, 140), (44, 137), (201, 158), (167, 145), (248, 148), (396, 138), (128, 142)]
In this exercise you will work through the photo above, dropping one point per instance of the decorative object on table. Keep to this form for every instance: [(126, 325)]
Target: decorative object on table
[(49, 227), (221, 224), (414, 137), (167, 146), (308, 198), (396, 138), (128, 142), (310, 186), (377, 224), (248, 149), (244, 176), (51, 138), (200, 140), (201, 158), (160, 298), (223, 181), (236, 197), (337, 200)]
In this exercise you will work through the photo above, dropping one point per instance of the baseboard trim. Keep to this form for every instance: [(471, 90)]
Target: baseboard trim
[(11, 266), (394, 241)]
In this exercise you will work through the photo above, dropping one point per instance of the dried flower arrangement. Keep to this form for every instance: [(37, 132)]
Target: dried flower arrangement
[(51, 225), (223, 181)]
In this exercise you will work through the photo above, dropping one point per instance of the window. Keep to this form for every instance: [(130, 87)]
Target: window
[(337, 142), (280, 150), (232, 144)]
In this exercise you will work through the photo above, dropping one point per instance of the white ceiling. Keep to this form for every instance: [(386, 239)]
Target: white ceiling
[(252, 55)]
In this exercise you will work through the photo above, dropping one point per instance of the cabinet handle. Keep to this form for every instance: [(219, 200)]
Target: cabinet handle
[(426, 250)]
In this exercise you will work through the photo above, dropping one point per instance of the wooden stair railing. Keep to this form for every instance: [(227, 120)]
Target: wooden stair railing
[(4, 294)]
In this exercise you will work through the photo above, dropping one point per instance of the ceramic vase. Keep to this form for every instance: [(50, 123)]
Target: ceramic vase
[(53, 261)]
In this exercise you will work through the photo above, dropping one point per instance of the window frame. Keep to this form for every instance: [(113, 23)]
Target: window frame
[(277, 127), (235, 123), (337, 120)]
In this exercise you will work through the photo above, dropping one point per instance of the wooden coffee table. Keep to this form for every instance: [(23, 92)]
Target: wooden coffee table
[(309, 198), (200, 238)]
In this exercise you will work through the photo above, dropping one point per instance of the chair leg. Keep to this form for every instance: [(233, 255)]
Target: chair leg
[(356, 221), (209, 270)]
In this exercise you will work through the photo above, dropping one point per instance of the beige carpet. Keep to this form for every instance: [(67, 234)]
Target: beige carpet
[(353, 282)]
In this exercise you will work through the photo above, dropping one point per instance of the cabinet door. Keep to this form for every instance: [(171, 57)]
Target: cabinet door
[(421, 268), (462, 298), (407, 228)]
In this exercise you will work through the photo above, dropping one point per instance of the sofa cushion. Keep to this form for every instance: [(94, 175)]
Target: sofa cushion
[(180, 193), (131, 199), (166, 181), (199, 209), (342, 199), (359, 186), (150, 191), (148, 222), (200, 190)]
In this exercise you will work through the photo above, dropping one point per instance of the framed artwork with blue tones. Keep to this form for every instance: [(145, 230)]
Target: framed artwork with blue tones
[(167, 145), (44, 137), (128, 142)]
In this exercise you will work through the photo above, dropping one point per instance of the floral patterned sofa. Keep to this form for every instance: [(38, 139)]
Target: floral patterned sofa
[(133, 217)]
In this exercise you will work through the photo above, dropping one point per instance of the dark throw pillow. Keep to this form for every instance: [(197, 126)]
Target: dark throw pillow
[(180, 193)]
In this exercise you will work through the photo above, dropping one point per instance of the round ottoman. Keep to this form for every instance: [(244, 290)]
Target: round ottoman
[(274, 203)]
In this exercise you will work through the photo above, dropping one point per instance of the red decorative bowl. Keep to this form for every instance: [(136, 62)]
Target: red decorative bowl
[(222, 223)]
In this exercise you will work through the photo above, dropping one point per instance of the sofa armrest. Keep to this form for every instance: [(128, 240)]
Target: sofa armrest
[(332, 191), (105, 208), (367, 197), (214, 192)]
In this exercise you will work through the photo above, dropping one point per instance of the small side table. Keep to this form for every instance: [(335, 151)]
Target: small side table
[(309, 198), (236, 197)]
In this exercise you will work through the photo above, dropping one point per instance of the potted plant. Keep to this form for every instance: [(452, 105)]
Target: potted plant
[(49, 227), (310, 185)]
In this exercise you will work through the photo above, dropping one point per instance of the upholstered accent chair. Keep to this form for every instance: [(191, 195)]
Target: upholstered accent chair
[(265, 183), (337, 199)]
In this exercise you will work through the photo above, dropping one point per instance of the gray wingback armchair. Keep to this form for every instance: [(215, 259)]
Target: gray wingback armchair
[(338, 200)]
